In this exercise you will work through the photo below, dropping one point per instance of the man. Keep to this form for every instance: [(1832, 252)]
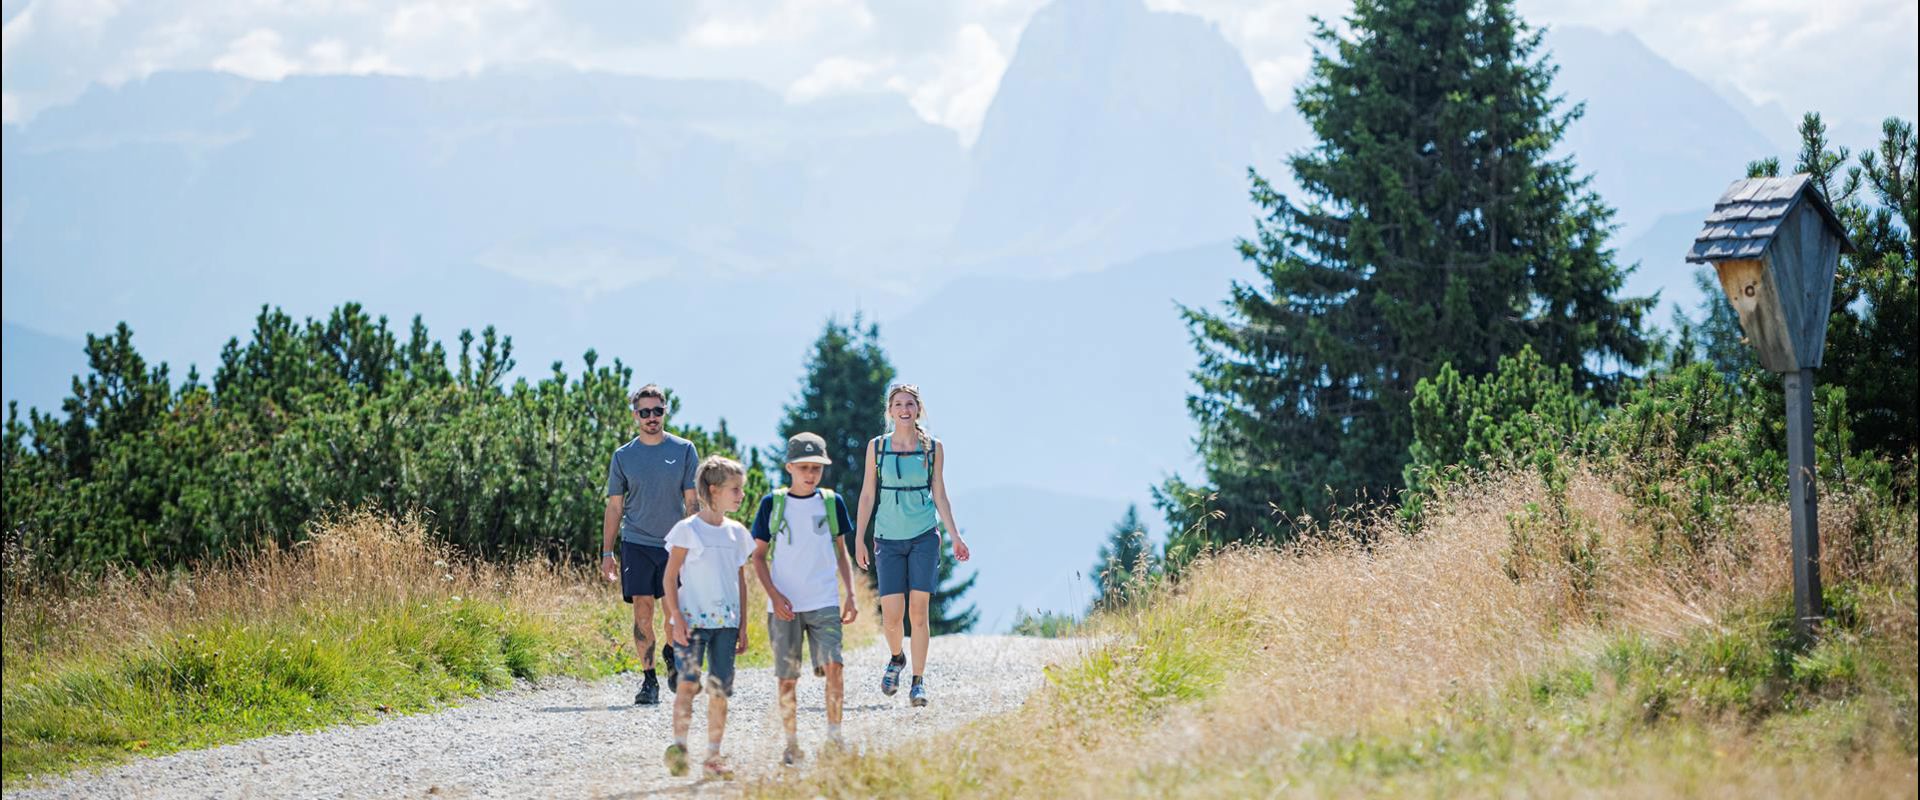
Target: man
[(649, 489)]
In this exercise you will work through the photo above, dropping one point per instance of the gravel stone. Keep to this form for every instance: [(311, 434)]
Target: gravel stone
[(572, 738)]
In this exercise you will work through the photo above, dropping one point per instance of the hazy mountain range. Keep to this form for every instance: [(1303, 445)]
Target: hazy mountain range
[(703, 230)]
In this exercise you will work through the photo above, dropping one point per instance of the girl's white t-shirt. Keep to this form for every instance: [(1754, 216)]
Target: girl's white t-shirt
[(710, 577)]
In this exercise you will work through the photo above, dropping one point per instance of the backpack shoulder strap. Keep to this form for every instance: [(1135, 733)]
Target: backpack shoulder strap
[(832, 502), (776, 519)]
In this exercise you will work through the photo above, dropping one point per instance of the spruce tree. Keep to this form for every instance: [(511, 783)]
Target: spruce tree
[(1124, 553), (1435, 227), (842, 398), (944, 614)]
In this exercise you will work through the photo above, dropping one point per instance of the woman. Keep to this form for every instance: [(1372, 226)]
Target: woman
[(904, 469)]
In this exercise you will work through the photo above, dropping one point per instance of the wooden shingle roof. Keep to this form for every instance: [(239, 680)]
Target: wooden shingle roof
[(1746, 217)]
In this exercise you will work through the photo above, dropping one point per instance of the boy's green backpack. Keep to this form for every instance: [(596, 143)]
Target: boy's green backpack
[(777, 518)]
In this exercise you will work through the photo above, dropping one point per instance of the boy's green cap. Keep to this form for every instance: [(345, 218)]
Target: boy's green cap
[(807, 448)]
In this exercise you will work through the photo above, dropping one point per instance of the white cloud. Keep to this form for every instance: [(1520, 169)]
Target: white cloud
[(962, 88), (789, 21), (1855, 60), (256, 55), (9, 108), (1848, 58), (16, 31), (833, 76)]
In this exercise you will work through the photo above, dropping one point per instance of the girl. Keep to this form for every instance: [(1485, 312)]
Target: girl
[(904, 476), (706, 590)]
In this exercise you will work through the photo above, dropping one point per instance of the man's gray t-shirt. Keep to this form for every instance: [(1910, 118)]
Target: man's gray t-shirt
[(651, 480)]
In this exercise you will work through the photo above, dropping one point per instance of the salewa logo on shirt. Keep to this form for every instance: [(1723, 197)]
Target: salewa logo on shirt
[(669, 460)]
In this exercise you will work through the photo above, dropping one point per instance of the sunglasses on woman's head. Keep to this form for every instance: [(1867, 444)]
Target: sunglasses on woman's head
[(648, 413)]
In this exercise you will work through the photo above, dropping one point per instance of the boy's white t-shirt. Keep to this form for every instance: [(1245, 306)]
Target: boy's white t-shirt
[(804, 568), (710, 577)]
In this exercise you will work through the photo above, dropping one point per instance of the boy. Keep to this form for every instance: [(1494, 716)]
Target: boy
[(797, 555), (706, 594)]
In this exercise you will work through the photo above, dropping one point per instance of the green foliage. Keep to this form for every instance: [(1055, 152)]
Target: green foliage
[(1165, 650), (1464, 424), (1046, 624), (1436, 228), (316, 416), (228, 680), (1688, 447), (1125, 567), (944, 612)]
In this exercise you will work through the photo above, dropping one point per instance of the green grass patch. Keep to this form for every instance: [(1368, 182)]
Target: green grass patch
[(1172, 652), (229, 680), (1672, 709)]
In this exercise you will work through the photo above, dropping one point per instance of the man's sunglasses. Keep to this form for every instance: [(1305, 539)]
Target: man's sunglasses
[(647, 413)]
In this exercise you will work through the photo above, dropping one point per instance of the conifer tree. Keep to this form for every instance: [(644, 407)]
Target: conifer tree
[(1435, 226)]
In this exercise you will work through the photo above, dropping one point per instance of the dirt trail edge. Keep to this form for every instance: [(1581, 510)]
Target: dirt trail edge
[(568, 738)]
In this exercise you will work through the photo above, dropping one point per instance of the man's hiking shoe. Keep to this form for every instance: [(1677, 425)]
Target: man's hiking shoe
[(918, 694), (649, 694), (673, 670), (890, 681), (676, 760), (792, 756), (717, 768)]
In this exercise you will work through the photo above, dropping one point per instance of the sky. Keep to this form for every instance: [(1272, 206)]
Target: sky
[(1845, 58)]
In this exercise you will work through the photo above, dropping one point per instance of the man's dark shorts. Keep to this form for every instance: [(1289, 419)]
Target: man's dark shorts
[(903, 565), (643, 571), (714, 646)]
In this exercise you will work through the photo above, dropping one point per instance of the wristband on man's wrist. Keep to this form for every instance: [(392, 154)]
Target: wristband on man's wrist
[(607, 554)]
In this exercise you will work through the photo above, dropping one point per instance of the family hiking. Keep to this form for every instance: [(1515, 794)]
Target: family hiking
[(677, 548)]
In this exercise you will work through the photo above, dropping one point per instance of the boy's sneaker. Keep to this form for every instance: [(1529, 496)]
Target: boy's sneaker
[(649, 694), (673, 670), (717, 768), (918, 694), (792, 756), (676, 760), (890, 681)]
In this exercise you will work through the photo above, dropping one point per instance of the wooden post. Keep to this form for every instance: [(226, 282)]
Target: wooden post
[(1807, 605)]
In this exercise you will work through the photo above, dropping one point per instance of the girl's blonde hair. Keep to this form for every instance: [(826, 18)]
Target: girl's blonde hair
[(926, 439), (714, 472)]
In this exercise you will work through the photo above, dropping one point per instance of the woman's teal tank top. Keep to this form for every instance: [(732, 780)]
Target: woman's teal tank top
[(906, 507)]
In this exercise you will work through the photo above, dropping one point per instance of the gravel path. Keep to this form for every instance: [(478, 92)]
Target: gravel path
[(573, 738)]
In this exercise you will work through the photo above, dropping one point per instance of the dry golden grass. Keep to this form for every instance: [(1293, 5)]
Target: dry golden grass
[(1301, 661), (370, 614), (354, 560)]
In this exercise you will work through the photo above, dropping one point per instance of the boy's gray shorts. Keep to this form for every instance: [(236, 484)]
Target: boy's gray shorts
[(821, 627)]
